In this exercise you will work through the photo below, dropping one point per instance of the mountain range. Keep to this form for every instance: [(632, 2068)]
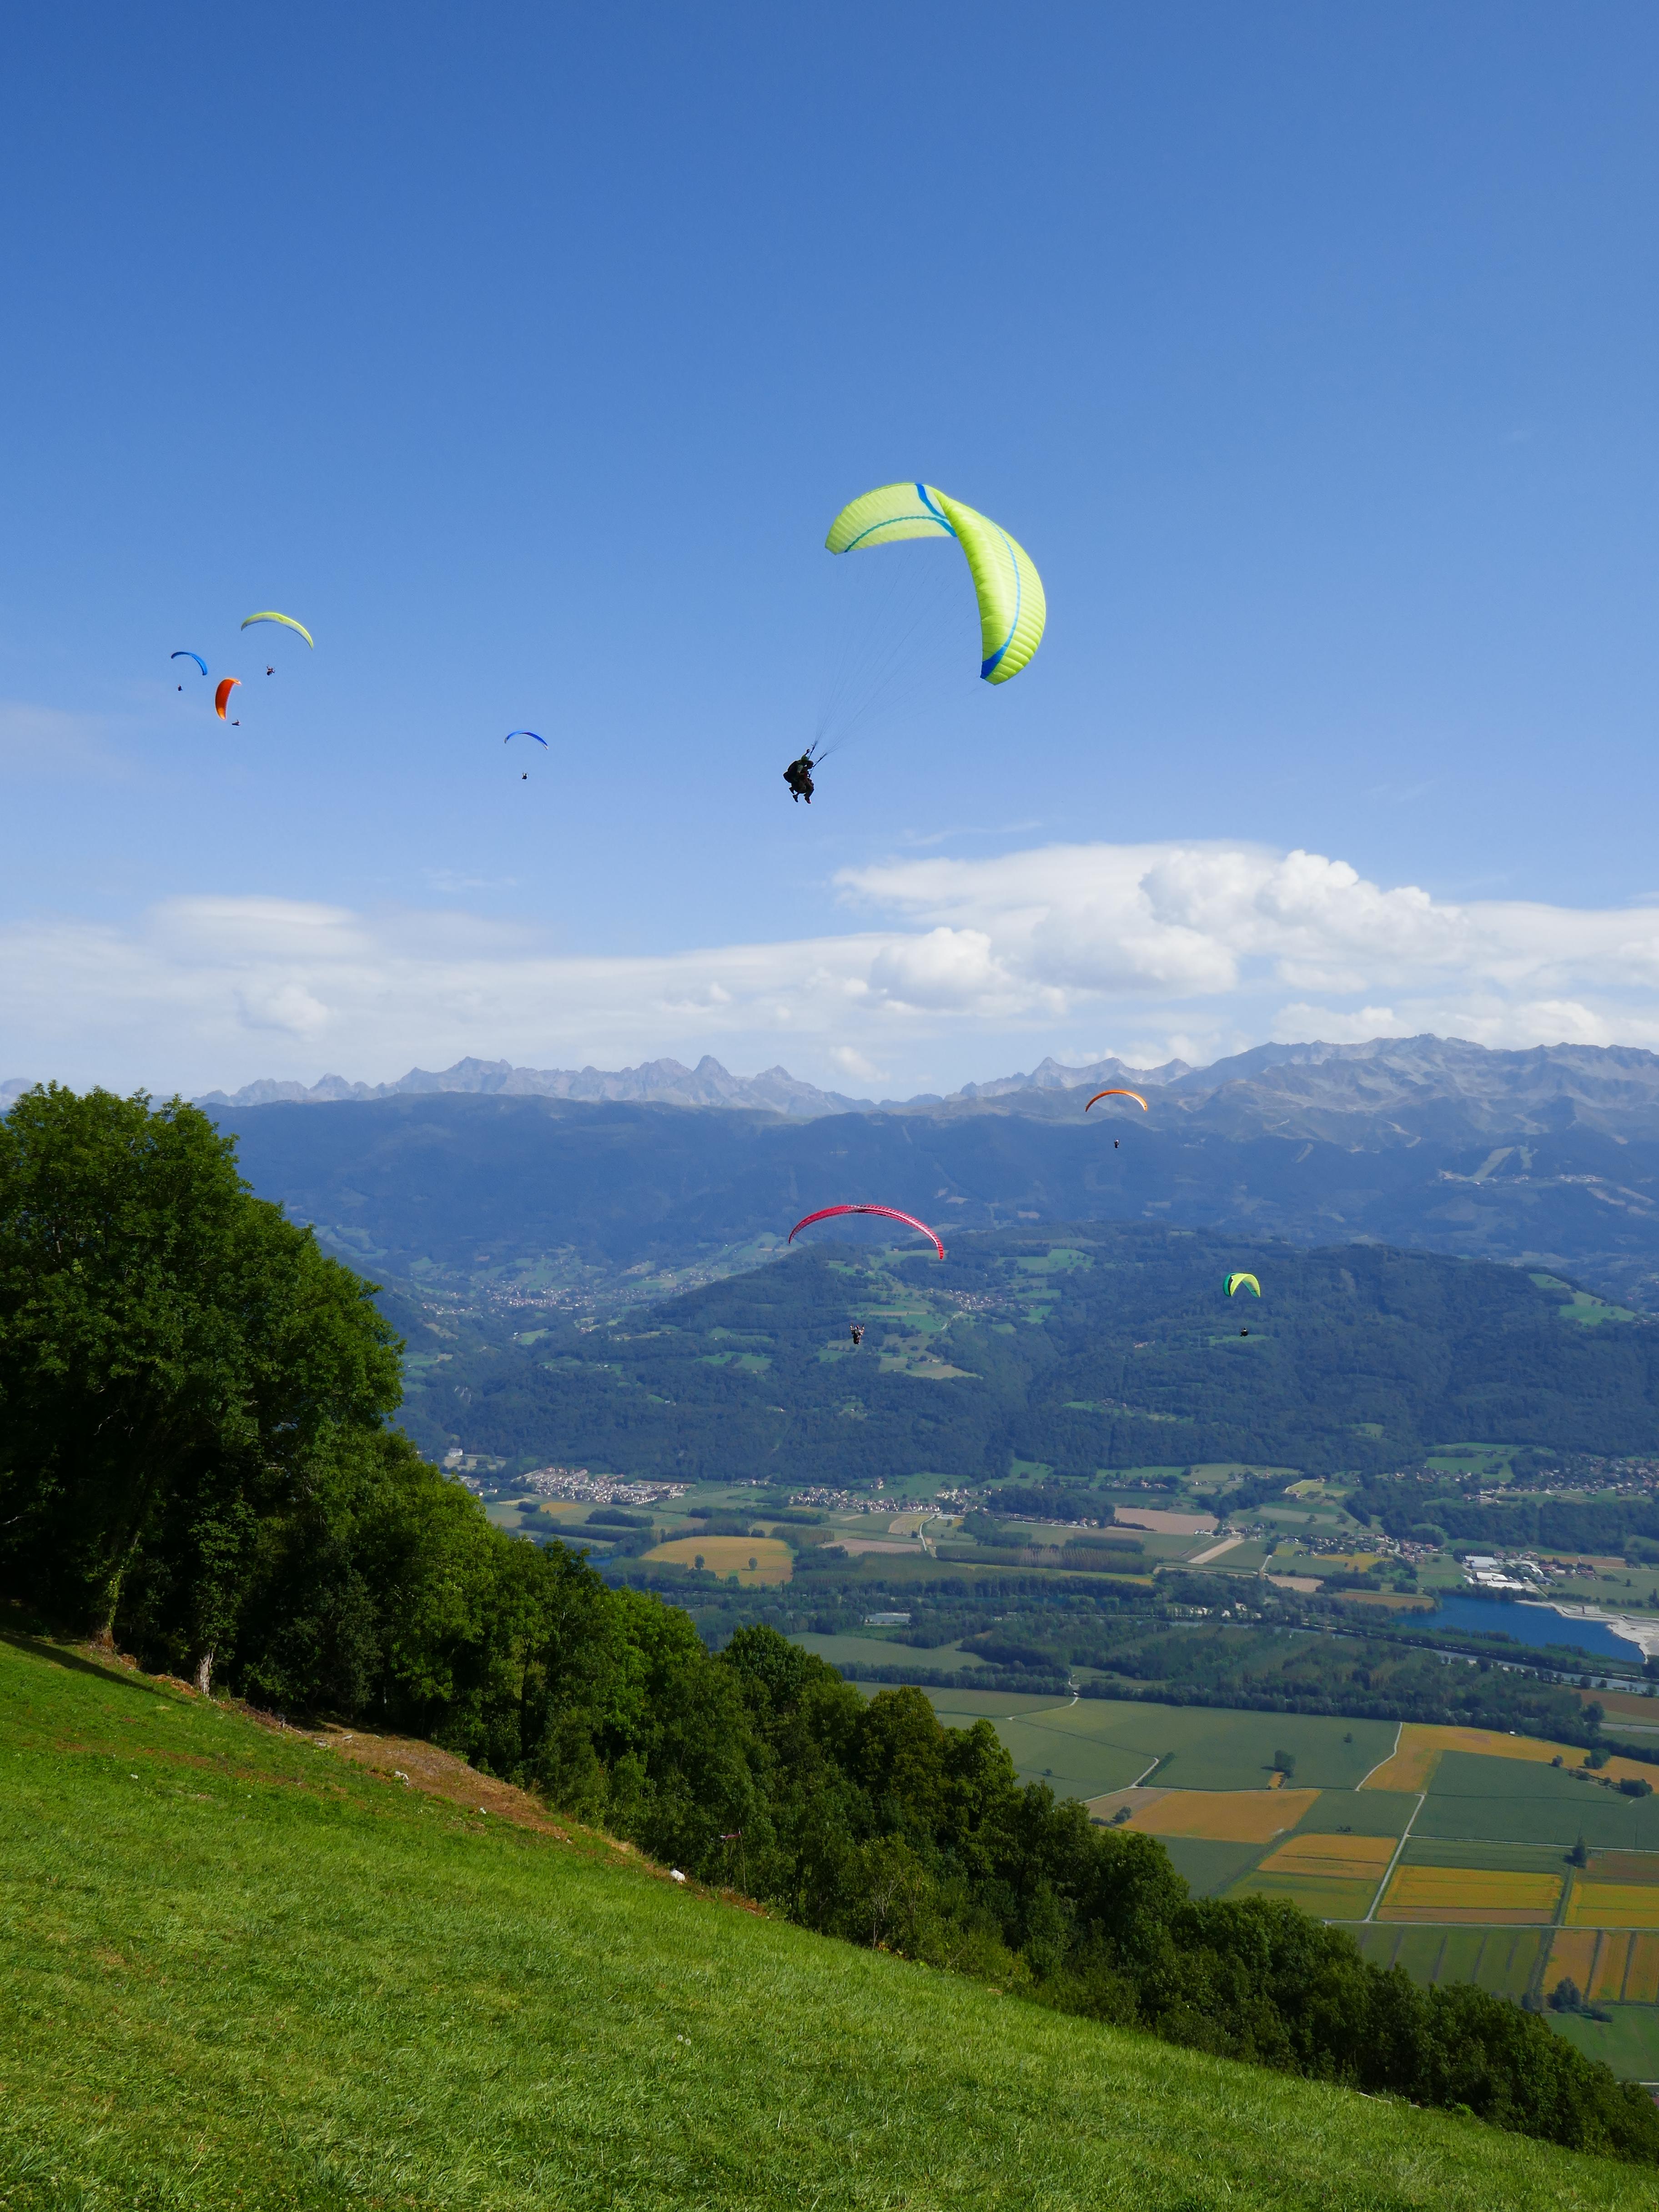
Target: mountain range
[(1405, 1088), (1548, 1158)]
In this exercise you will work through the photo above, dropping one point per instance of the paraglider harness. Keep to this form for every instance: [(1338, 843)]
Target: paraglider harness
[(799, 776)]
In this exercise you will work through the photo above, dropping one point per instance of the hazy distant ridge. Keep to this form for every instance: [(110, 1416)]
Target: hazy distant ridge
[(654, 1082), (1402, 1088)]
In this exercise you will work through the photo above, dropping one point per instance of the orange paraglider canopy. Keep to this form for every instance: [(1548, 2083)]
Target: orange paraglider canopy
[(890, 1212), (222, 694), (1135, 1095)]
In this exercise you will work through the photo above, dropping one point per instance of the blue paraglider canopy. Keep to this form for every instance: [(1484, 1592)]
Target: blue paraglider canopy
[(188, 655), (511, 734)]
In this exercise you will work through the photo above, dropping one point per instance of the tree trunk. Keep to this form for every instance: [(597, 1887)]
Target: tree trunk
[(204, 1672)]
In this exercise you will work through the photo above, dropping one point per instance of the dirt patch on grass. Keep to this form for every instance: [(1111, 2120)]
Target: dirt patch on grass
[(413, 1765)]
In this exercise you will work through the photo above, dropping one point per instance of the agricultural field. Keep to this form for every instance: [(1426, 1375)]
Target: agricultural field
[(1091, 1747), (1332, 1857), (1614, 1904), (1471, 1897), (1421, 1749), (1334, 1877), (752, 1559), (1229, 1816), (875, 1651), (1450, 1852)]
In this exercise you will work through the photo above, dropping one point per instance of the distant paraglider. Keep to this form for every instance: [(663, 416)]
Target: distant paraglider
[(889, 1212), (856, 1332), (1115, 1093), (288, 623), (227, 686), (540, 740), (1013, 608), (1234, 1283)]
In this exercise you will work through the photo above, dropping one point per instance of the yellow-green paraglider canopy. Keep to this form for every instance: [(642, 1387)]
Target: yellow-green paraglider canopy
[(1234, 1284), (1013, 608), (288, 623)]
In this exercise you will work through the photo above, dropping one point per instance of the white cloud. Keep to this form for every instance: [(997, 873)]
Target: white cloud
[(849, 1061), (961, 966)]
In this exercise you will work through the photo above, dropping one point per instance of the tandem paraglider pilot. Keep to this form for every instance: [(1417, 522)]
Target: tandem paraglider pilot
[(798, 777)]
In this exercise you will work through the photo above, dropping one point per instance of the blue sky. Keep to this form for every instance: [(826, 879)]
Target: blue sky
[(526, 356)]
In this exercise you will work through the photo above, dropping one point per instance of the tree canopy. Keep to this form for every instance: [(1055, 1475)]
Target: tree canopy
[(179, 1363)]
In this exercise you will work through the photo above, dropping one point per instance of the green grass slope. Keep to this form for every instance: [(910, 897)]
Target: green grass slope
[(239, 1971)]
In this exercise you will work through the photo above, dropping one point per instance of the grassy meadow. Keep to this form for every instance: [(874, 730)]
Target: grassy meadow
[(244, 1970)]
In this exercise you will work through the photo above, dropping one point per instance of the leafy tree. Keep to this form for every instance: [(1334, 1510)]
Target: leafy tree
[(173, 1354)]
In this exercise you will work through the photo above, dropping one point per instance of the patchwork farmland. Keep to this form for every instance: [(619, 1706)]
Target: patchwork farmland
[(1456, 1853)]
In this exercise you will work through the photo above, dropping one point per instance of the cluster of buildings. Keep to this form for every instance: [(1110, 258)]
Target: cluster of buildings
[(575, 1482), (1495, 1573), (843, 1501)]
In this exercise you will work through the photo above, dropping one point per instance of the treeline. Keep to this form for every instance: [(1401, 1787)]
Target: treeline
[(1410, 1506), (192, 1405), (1023, 1683)]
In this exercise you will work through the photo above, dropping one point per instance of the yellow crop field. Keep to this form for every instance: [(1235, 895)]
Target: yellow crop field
[(1612, 1904), (1472, 1895), (1607, 1974), (1338, 1858), (1226, 1816), (752, 1559), (1613, 1968), (1420, 1746), (1572, 1955), (1641, 1982)]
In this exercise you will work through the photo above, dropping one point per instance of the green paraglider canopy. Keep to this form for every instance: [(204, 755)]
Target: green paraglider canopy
[(1013, 608), (1235, 1283), (287, 621)]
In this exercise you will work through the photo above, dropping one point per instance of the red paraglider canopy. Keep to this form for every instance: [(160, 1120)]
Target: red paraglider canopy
[(891, 1212), (1135, 1095), (222, 694)]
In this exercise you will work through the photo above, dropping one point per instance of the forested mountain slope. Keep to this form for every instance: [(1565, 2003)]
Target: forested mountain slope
[(1091, 1346)]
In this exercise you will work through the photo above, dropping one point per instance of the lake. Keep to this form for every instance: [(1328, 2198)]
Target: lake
[(1534, 1625)]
